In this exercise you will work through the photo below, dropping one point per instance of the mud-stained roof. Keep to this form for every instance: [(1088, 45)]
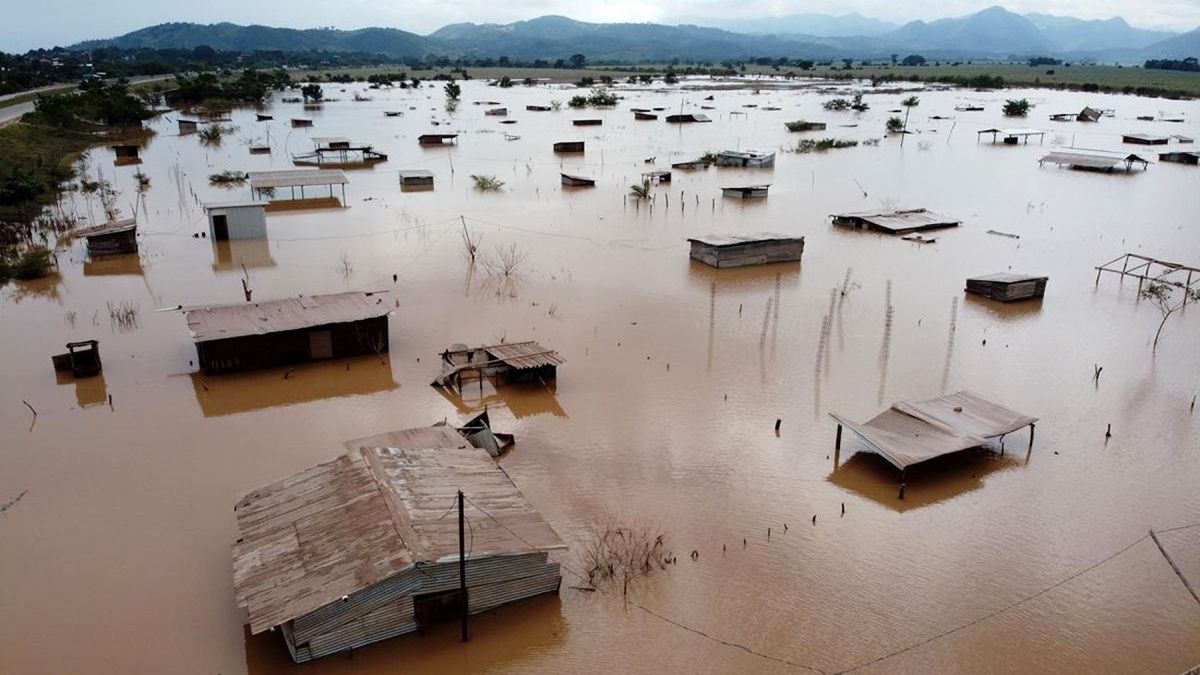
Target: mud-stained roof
[(260, 180), (913, 432), (346, 524), (436, 437), (219, 322), (522, 355), (719, 240), (111, 227), (1091, 159), (902, 220)]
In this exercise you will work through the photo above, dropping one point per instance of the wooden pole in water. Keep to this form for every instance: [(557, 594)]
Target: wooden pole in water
[(837, 442), (462, 567)]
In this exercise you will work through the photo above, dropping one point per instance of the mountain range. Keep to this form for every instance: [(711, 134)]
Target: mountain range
[(991, 33)]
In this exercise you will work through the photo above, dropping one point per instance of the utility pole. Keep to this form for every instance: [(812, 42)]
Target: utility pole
[(462, 567)]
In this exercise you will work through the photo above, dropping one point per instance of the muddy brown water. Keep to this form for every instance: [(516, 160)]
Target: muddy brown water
[(117, 559)]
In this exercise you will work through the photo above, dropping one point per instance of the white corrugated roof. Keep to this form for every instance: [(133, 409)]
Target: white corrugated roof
[(219, 322), (296, 178)]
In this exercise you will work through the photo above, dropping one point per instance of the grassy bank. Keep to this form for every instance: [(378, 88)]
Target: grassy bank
[(42, 157), (517, 75)]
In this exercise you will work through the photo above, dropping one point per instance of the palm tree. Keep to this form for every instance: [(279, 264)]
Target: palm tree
[(640, 191)]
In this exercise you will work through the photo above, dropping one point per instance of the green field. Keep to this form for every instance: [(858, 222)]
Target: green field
[(515, 74)]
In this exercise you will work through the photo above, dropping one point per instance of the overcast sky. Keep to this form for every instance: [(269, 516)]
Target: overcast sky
[(29, 24)]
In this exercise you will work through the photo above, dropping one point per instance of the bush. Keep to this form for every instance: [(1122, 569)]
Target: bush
[(32, 263), (895, 125), (836, 104), (1016, 107), (808, 145)]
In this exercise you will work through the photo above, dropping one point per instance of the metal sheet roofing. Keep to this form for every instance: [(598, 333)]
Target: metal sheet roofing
[(522, 355), (1092, 159), (245, 204), (747, 238), (1017, 131), (111, 227), (219, 322), (910, 219), (1007, 278), (341, 526), (416, 173), (296, 178), (913, 432)]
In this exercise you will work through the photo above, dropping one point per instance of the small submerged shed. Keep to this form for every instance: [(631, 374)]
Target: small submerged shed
[(588, 122), (115, 237), (538, 108), (568, 146), (82, 359), (338, 150), (751, 159), (236, 220), (577, 181), (912, 432), (1180, 157), (746, 192), (687, 118), (1145, 139), (187, 126), (496, 112), (355, 550), (125, 154), (742, 250), (1094, 160), (507, 362), (639, 115), (416, 178), (1012, 136), (250, 335), (895, 222), (805, 125), (301, 122), (437, 139), (1008, 287)]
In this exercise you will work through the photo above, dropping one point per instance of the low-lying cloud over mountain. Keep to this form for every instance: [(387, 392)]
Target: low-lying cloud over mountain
[(991, 33)]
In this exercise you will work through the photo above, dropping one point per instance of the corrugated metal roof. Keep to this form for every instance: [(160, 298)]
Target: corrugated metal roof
[(349, 523), (522, 355), (911, 433), (219, 322), (245, 204), (111, 227), (1149, 138), (296, 178), (416, 173), (1092, 159), (1017, 131), (1007, 278), (748, 238), (908, 219)]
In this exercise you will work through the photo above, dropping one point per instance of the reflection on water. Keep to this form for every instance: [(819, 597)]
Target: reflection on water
[(113, 264), (313, 381), (233, 254), (1004, 311), (89, 391), (522, 399), (869, 475)]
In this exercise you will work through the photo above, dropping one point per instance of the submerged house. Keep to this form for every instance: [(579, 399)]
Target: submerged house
[(355, 550), (268, 183), (895, 222), (577, 181), (236, 220), (249, 335), (187, 126), (1094, 160), (416, 178), (1085, 115), (115, 237), (1008, 287), (687, 118), (1180, 157), (568, 146), (437, 139), (301, 122), (640, 115), (507, 362), (742, 250), (496, 112), (1011, 136), (125, 154), (747, 159), (589, 122), (746, 192), (912, 432), (338, 150), (1145, 139)]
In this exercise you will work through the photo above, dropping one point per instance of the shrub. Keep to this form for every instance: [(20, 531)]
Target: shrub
[(1018, 107), (808, 145)]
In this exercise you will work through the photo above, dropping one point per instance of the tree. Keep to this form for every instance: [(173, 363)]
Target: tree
[(895, 125), (1162, 295), (1016, 107), (908, 103), (453, 91), (312, 91), (578, 61), (913, 60), (894, 57), (848, 63)]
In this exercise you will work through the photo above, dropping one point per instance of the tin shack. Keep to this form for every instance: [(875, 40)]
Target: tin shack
[(742, 250), (115, 237), (355, 550), (236, 220), (249, 335)]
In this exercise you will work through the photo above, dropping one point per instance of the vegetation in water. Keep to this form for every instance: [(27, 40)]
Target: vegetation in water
[(312, 92), (487, 183), (90, 110), (453, 90), (598, 97), (33, 262), (620, 554), (1163, 296), (228, 179), (212, 134), (640, 190), (836, 104), (895, 125), (799, 125), (1016, 107), (810, 145)]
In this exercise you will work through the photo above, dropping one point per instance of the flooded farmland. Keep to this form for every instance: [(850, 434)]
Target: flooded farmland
[(116, 559)]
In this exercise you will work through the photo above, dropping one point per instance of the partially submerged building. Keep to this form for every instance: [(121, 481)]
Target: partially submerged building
[(82, 359), (1008, 287), (909, 433), (900, 221), (1094, 160), (577, 181), (1145, 139), (1180, 157), (588, 122), (687, 118), (437, 139), (268, 183), (236, 220), (496, 112), (804, 125), (507, 362), (690, 165), (751, 159), (416, 178), (355, 550), (250, 335), (1085, 115), (339, 151), (301, 122), (568, 146), (639, 115), (125, 154), (187, 126), (742, 250), (115, 237), (746, 191), (1011, 136)]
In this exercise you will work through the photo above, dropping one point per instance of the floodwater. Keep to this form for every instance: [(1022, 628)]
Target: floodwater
[(117, 559)]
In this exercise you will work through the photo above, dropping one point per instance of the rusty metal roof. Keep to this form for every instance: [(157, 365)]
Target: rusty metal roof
[(901, 220), (522, 355), (219, 322), (111, 227), (748, 238), (341, 526)]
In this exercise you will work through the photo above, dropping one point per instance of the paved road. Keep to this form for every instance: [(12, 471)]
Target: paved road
[(13, 113)]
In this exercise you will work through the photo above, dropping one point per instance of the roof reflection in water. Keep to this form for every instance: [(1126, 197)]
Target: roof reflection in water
[(313, 381)]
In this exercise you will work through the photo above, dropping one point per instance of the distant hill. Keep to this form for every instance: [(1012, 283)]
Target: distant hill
[(992, 33), (228, 36), (994, 30), (817, 25)]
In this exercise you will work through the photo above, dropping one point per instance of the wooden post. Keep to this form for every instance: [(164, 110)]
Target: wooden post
[(1032, 428), (462, 567), (837, 442)]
